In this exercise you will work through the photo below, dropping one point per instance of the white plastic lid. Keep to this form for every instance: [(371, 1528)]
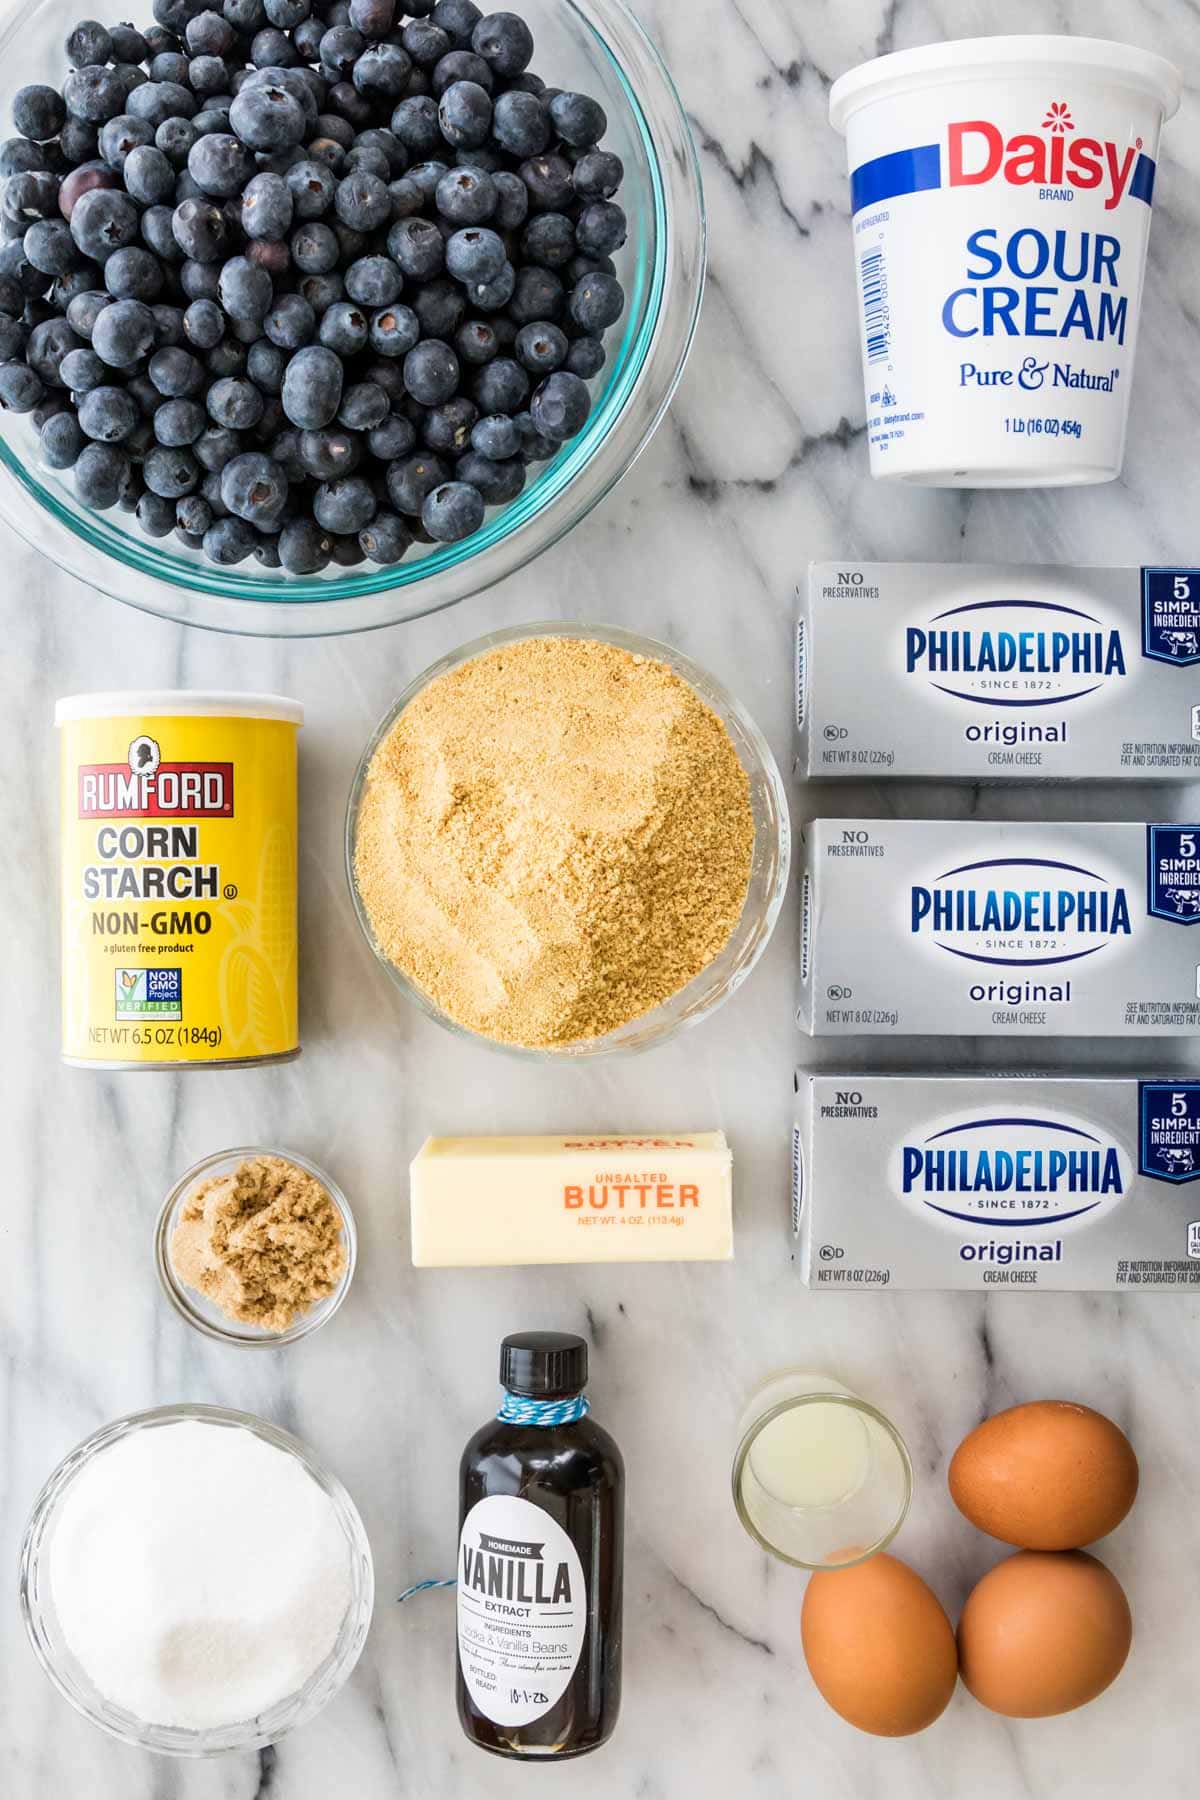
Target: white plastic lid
[(166, 703), (937, 65)]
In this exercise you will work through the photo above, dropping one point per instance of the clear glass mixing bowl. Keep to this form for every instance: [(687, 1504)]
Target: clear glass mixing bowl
[(768, 871), (595, 45), (50, 1647)]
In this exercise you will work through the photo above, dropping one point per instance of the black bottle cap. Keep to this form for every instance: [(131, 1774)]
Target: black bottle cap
[(543, 1365)]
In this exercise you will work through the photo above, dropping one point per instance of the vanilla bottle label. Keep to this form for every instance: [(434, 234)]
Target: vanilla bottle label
[(522, 1609)]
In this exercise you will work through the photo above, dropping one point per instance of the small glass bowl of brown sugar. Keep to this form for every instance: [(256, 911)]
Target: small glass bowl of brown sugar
[(256, 1247)]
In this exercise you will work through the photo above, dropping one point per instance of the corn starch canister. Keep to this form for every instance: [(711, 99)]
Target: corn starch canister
[(178, 879)]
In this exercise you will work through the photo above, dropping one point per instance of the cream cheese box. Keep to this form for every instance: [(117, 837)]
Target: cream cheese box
[(492, 1201), (984, 1182), (977, 672), (970, 928)]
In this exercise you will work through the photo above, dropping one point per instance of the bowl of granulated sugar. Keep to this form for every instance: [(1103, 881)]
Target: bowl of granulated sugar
[(567, 841), (194, 1581)]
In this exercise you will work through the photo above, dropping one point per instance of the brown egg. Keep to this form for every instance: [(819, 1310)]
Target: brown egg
[(1046, 1476), (878, 1646), (1043, 1633)]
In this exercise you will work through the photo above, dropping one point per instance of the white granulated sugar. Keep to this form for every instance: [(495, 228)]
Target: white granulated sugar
[(199, 1574)]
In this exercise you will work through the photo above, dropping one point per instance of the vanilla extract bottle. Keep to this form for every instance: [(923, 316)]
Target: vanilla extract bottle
[(541, 1549)]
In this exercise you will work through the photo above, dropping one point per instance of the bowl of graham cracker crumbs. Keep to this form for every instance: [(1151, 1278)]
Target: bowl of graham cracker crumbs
[(567, 841), (256, 1247)]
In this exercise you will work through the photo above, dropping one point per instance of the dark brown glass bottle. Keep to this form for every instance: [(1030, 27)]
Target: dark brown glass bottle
[(541, 1551)]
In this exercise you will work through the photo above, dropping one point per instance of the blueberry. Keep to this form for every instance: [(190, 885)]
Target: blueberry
[(304, 549), (341, 48), (156, 516), (412, 479), (265, 364), (386, 539), (245, 292), (169, 65), (548, 179), (495, 437), (158, 234), (431, 372), (204, 324), (329, 454), (578, 120), (600, 228), (272, 49), (175, 372), (585, 358), (415, 123), (512, 200), (20, 388), (560, 406), (133, 274), (291, 322), (19, 156), (81, 369), (521, 124), (287, 14), (209, 34), (596, 302), (312, 188), (88, 43), (466, 196), (254, 488), (537, 294), (199, 280), (215, 447), (381, 73), (374, 18), (501, 386), (374, 281), (315, 249), (235, 402), (79, 280), (220, 165), (50, 247), (120, 136), (344, 328), (180, 422), (49, 343), (549, 240), (102, 221), (458, 18), (202, 230), (541, 347), (267, 118), (460, 65), (498, 482), (475, 255), (207, 76), (61, 441), (394, 438), (107, 414), (535, 446), (598, 175), (312, 387), (193, 516), (362, 201), (124, 333), (94, 94), (452, 512), (447, 428), (465, 113), (439, 307), (345, 100), (99, 473), (322, 291), (83, 312), (379, 139), (266, 550), (505, 42), (426, 43), (34, 195), (229, 541), (149, 176), (367, 159), (424, 176), (14, 336), (344, 506), (418, 248), (175, 137), (156, 101), (38, 112), (128, 44)]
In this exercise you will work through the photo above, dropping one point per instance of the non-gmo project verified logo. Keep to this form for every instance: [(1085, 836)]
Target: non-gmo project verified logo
[(149, 994)]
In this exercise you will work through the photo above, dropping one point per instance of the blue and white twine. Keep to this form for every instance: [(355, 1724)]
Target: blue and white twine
[(518, 1409)]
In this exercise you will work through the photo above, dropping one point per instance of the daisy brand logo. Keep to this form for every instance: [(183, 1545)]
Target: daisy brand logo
[(1057, 156)]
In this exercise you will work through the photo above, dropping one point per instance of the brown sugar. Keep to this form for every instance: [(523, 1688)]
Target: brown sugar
[(263, 1243), (554, 839)]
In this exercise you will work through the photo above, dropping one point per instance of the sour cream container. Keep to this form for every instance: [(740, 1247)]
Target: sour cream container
[(178, 829), (1000, 193)]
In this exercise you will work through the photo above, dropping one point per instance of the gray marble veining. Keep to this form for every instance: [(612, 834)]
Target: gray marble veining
[(760, 466)]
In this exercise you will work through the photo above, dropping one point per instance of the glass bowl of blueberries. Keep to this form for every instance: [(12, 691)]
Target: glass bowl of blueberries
[(318, 315)]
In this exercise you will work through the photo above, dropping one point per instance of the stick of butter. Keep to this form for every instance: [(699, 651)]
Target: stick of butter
[(485, 1202)]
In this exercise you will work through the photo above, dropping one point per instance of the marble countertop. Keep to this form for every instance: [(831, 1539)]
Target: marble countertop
[(760, 466)]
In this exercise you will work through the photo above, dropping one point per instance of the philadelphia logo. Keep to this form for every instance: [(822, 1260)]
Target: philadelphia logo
[(1006, 653), (1020, 912), (1012, 1170)]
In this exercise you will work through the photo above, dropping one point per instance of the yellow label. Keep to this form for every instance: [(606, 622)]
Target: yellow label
[(178, 889)]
